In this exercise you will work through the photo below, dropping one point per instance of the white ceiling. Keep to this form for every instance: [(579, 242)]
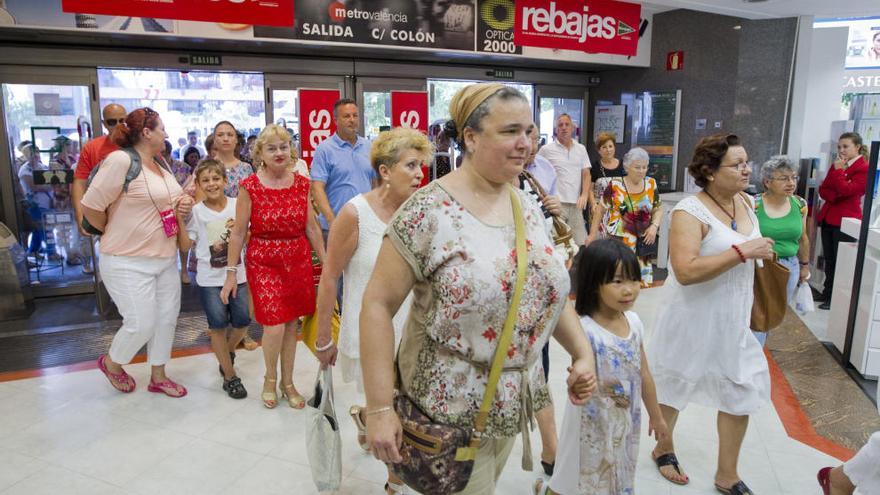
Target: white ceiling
[(773, 8)]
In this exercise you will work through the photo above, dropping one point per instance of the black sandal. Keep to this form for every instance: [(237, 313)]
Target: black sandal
[(739, 488), (234, 388), (670, 460)]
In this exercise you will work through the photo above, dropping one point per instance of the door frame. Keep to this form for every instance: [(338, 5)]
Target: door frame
[(60, 76), (273, 81)]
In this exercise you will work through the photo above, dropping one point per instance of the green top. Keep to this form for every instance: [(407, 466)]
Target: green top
[(787, 230)]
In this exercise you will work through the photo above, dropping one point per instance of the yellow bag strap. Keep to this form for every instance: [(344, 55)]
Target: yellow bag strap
[(507, 333)]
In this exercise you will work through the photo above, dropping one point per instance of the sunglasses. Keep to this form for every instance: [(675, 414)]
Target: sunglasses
[(112, 122)]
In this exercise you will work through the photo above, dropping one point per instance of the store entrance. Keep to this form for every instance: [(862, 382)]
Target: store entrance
[(48, 115)]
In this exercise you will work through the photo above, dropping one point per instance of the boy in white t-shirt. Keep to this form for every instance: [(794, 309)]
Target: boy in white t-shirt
[(210, 224)]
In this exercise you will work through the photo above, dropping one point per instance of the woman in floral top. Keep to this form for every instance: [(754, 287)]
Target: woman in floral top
[(452, 244), (631, 210)]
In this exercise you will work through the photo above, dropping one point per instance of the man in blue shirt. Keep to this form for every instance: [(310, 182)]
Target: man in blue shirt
[(341, 165)]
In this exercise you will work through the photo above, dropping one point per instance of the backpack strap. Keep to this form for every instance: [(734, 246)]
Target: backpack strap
[(134, 169)]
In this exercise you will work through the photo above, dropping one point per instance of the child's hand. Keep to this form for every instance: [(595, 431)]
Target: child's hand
[(581, 382), (658, 427)]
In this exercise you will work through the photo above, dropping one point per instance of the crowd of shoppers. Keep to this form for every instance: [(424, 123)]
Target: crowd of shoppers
[(430, 272)]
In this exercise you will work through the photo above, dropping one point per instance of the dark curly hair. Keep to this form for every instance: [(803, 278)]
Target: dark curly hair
[(708, 155)]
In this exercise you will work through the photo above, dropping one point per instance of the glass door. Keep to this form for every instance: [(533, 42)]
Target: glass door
[(374, 100), (282, 95), (48, 115), (555, 101)]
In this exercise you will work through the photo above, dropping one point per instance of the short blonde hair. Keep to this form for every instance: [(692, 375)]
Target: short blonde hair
[(269, 132), (389, 145)]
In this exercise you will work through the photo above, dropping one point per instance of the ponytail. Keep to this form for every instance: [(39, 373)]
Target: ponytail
[(856, 140), (129, 132)]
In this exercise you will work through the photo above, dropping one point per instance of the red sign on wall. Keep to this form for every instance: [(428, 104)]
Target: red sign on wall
[(592, 26), (257, 12), (410, 109), (675, 60), (315, 119)]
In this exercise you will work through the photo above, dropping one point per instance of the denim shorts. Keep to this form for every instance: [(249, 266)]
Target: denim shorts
[(222, 316)]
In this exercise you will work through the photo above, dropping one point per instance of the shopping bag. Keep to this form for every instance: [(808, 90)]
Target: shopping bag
[(803, 299), (323, 442)]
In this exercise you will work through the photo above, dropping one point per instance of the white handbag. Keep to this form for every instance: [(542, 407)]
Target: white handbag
[(323, 442)]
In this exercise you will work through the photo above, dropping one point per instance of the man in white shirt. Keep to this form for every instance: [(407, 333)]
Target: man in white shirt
[(572, 165)]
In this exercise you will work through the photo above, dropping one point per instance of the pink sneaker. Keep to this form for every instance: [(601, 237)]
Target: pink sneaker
[(169, 388), (120, 381)]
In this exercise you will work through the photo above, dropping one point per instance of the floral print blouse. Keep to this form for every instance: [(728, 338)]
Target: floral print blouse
[(465, 272), (628, 214), (235, 175)]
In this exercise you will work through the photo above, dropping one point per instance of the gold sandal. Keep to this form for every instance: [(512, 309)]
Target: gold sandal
[(295, 400), (355, 413), (270, 399)]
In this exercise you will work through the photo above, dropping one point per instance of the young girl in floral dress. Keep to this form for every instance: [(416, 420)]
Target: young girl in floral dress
[(599, 441)]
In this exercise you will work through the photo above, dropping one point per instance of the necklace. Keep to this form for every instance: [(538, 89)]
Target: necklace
[(732, 217)]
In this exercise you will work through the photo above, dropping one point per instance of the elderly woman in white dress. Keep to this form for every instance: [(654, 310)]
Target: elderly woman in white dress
[(353, 246), (702, 350)]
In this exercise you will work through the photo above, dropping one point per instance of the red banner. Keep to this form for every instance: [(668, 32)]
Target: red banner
[(257, 12), (315, 119), (410, 109), (592, 26)]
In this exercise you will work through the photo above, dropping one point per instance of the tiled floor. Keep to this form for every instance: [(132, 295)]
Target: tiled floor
[(71, 434)]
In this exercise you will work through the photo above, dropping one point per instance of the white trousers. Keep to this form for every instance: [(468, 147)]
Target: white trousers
[(864, 468), (147, 293)]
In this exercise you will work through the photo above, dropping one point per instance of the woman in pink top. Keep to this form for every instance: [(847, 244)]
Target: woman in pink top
[(139, 249)]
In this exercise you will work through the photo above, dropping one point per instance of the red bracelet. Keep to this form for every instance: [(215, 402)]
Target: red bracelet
[(739, 252)]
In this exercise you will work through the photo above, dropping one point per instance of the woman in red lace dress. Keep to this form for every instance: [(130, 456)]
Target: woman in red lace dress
[(275, 203)]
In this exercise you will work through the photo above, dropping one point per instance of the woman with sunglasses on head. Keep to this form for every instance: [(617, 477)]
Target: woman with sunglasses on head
[(702, 350), (274, 207), (138, 220)]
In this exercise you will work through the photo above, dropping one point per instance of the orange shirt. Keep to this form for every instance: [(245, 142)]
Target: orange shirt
[(92, 153), (134, 227)]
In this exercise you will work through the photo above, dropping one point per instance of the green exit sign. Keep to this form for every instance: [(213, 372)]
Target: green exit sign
[(503, 74), (205, 60)]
